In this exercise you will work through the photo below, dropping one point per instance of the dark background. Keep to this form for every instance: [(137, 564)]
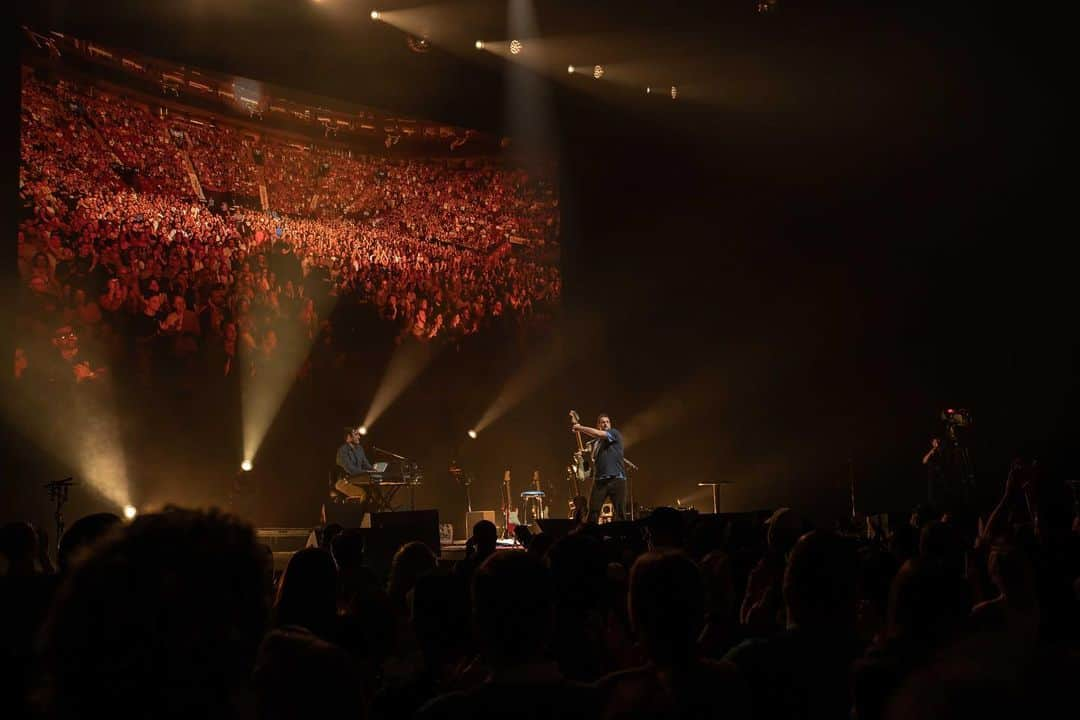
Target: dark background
[(851, 220)]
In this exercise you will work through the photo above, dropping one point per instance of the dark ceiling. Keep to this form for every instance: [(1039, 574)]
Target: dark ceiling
[(802, 60)]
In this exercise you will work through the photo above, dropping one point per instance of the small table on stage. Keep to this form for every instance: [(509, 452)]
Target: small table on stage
[(716, 492)]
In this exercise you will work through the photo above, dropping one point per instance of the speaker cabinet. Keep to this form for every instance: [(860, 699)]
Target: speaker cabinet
[(390, 530), (409, 525), (556, 527), (471, 518)]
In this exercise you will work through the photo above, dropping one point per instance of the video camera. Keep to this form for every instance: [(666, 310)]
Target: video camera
[(958, 426), (956, 418)]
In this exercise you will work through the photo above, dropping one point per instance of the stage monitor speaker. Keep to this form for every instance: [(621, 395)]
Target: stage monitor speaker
[(621, 529), (390, 530), (409, 525), (471, 518), (557, 527)]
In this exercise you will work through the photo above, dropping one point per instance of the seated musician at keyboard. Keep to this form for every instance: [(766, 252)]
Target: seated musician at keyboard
[(351, 460)]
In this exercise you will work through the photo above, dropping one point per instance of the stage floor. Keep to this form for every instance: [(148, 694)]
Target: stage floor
[(451, 552)]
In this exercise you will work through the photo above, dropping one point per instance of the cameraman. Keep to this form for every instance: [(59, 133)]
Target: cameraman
[(934, 462)]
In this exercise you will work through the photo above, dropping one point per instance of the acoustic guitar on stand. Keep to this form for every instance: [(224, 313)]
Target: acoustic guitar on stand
[(509, 510)]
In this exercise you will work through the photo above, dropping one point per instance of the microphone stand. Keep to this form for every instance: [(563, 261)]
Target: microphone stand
[(630, 485), (465, 480), (387, 452), (851, 481), (58, 494)]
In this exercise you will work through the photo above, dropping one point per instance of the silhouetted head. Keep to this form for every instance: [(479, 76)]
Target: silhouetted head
[(1012, 574), (512, 608), (820, 582), (297, 674), (307, 595), (486, 536), (331, 531), (82, 534), (541, 543), (667, 606), (19, 544), (578, 571), (666, 528), (940, 542), (347, 548), (411, 562), (440, 617), (719, 587), (928, 604), (784, 530), (162, 617)]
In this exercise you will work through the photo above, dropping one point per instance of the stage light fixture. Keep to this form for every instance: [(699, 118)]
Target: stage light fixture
[(129, 512), (674, 92), (479, 44), (515, 47), (472, 434), (648, 91), (418, 45), (375, 15), (246, 466), (362, 430), (598, 72), (570, 69)]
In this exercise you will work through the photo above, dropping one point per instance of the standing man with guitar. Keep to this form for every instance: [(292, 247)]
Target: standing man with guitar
[(609, 475)]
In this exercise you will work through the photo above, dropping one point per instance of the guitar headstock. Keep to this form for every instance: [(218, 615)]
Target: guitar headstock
[(574, 419)]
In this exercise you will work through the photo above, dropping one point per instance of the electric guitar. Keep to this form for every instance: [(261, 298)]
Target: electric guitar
[(510, 512)]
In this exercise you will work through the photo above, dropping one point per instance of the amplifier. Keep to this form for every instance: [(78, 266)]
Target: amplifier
[(284, 542), (287, 539), (471, 518)]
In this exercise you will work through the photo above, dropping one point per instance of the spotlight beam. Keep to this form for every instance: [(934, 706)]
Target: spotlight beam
[(672, 406), (454, 26), (544, 364), (406, 363), (262, 394), (524, 382)]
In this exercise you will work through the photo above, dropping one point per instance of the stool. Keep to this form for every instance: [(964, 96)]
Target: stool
[(533, 505)]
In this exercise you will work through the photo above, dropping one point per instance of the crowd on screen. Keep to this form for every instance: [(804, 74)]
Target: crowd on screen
[(676, 616), (114, 249)]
